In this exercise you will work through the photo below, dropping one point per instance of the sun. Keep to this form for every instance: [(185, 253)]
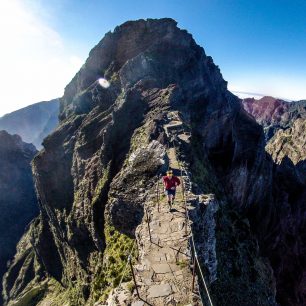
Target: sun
[(104, 83)]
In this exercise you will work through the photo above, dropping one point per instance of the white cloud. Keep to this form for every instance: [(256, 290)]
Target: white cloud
[(34, 63), (279, 86)]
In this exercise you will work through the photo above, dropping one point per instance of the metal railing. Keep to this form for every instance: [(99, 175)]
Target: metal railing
[(196, 266)]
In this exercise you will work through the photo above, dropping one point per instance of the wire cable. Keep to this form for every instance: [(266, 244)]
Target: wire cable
[(192, 237)]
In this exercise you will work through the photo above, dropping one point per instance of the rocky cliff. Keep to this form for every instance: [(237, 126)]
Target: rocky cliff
[(100, 166), (33, 123), (274, 114), (290, 144), (18, 203)]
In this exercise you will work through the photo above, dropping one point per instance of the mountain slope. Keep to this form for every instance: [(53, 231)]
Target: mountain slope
[(274, 114), (100, 167), (33, 123), (18, 202)]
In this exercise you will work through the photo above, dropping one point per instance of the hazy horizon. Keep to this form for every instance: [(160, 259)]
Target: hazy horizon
[(259, 47)]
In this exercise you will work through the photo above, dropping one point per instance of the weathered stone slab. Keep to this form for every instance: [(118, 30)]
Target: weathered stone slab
[(161, 268), (156, 291), (138, 303)]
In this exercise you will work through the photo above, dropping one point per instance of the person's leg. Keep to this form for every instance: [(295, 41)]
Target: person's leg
[(169, 198), (173, 197)]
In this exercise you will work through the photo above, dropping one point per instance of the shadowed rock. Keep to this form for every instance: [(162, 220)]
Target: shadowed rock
[(18, 203)]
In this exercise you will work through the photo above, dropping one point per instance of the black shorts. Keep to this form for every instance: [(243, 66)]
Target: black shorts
[(170, 192)]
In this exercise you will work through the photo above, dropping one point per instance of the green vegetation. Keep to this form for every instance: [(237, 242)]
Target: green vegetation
[(139, 138), (182, 263), (101, 184), (55, 294), (108, 274), (131, 286), (115, 263), (33, 296), (115, 77)]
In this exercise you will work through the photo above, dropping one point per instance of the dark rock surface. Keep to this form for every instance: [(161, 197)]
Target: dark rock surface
[(90, 193), (18, 203), (274, 114), (34, 122)]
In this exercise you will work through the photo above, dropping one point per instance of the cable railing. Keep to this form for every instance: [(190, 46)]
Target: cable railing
[(196, 266), (188, 222)]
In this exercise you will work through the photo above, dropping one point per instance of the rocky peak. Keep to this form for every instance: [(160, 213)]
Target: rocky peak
[(143, 49)]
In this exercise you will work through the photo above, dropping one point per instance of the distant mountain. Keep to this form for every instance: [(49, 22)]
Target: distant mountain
[(33, 123), (18, 203), (274, 114)]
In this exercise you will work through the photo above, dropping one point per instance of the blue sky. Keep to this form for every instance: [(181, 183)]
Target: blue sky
[(260, 46)]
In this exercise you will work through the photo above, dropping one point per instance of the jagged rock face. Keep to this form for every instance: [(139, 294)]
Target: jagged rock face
[(95, 171), (273, 197), (284, 126), (288, 149), (290, 142), (274, 114), (33, 123), (18, 201)]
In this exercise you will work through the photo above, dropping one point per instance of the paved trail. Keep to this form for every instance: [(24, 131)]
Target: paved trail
[(163, 270)]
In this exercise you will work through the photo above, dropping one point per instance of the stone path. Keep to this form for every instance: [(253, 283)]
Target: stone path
[(163, 272)]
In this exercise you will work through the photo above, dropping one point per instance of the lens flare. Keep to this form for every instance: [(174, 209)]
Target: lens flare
[(104, 83)]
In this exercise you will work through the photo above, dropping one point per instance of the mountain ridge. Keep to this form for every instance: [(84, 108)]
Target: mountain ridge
[(88, 187)]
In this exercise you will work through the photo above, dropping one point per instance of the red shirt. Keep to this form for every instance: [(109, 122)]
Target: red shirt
[(171, 182)]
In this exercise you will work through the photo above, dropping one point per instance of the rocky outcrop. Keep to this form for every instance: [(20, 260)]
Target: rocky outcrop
[(95, 173), (18, 203), (33, 123), (274, 114), (290, 144)]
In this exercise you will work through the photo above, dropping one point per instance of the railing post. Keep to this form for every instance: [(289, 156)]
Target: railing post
[(193, 273), (157, 195), (185, 202), (186, 219), (148, 222), (134, 278)]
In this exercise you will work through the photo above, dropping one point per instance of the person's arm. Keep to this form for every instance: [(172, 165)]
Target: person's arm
[(178, 182), (164, 182)]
